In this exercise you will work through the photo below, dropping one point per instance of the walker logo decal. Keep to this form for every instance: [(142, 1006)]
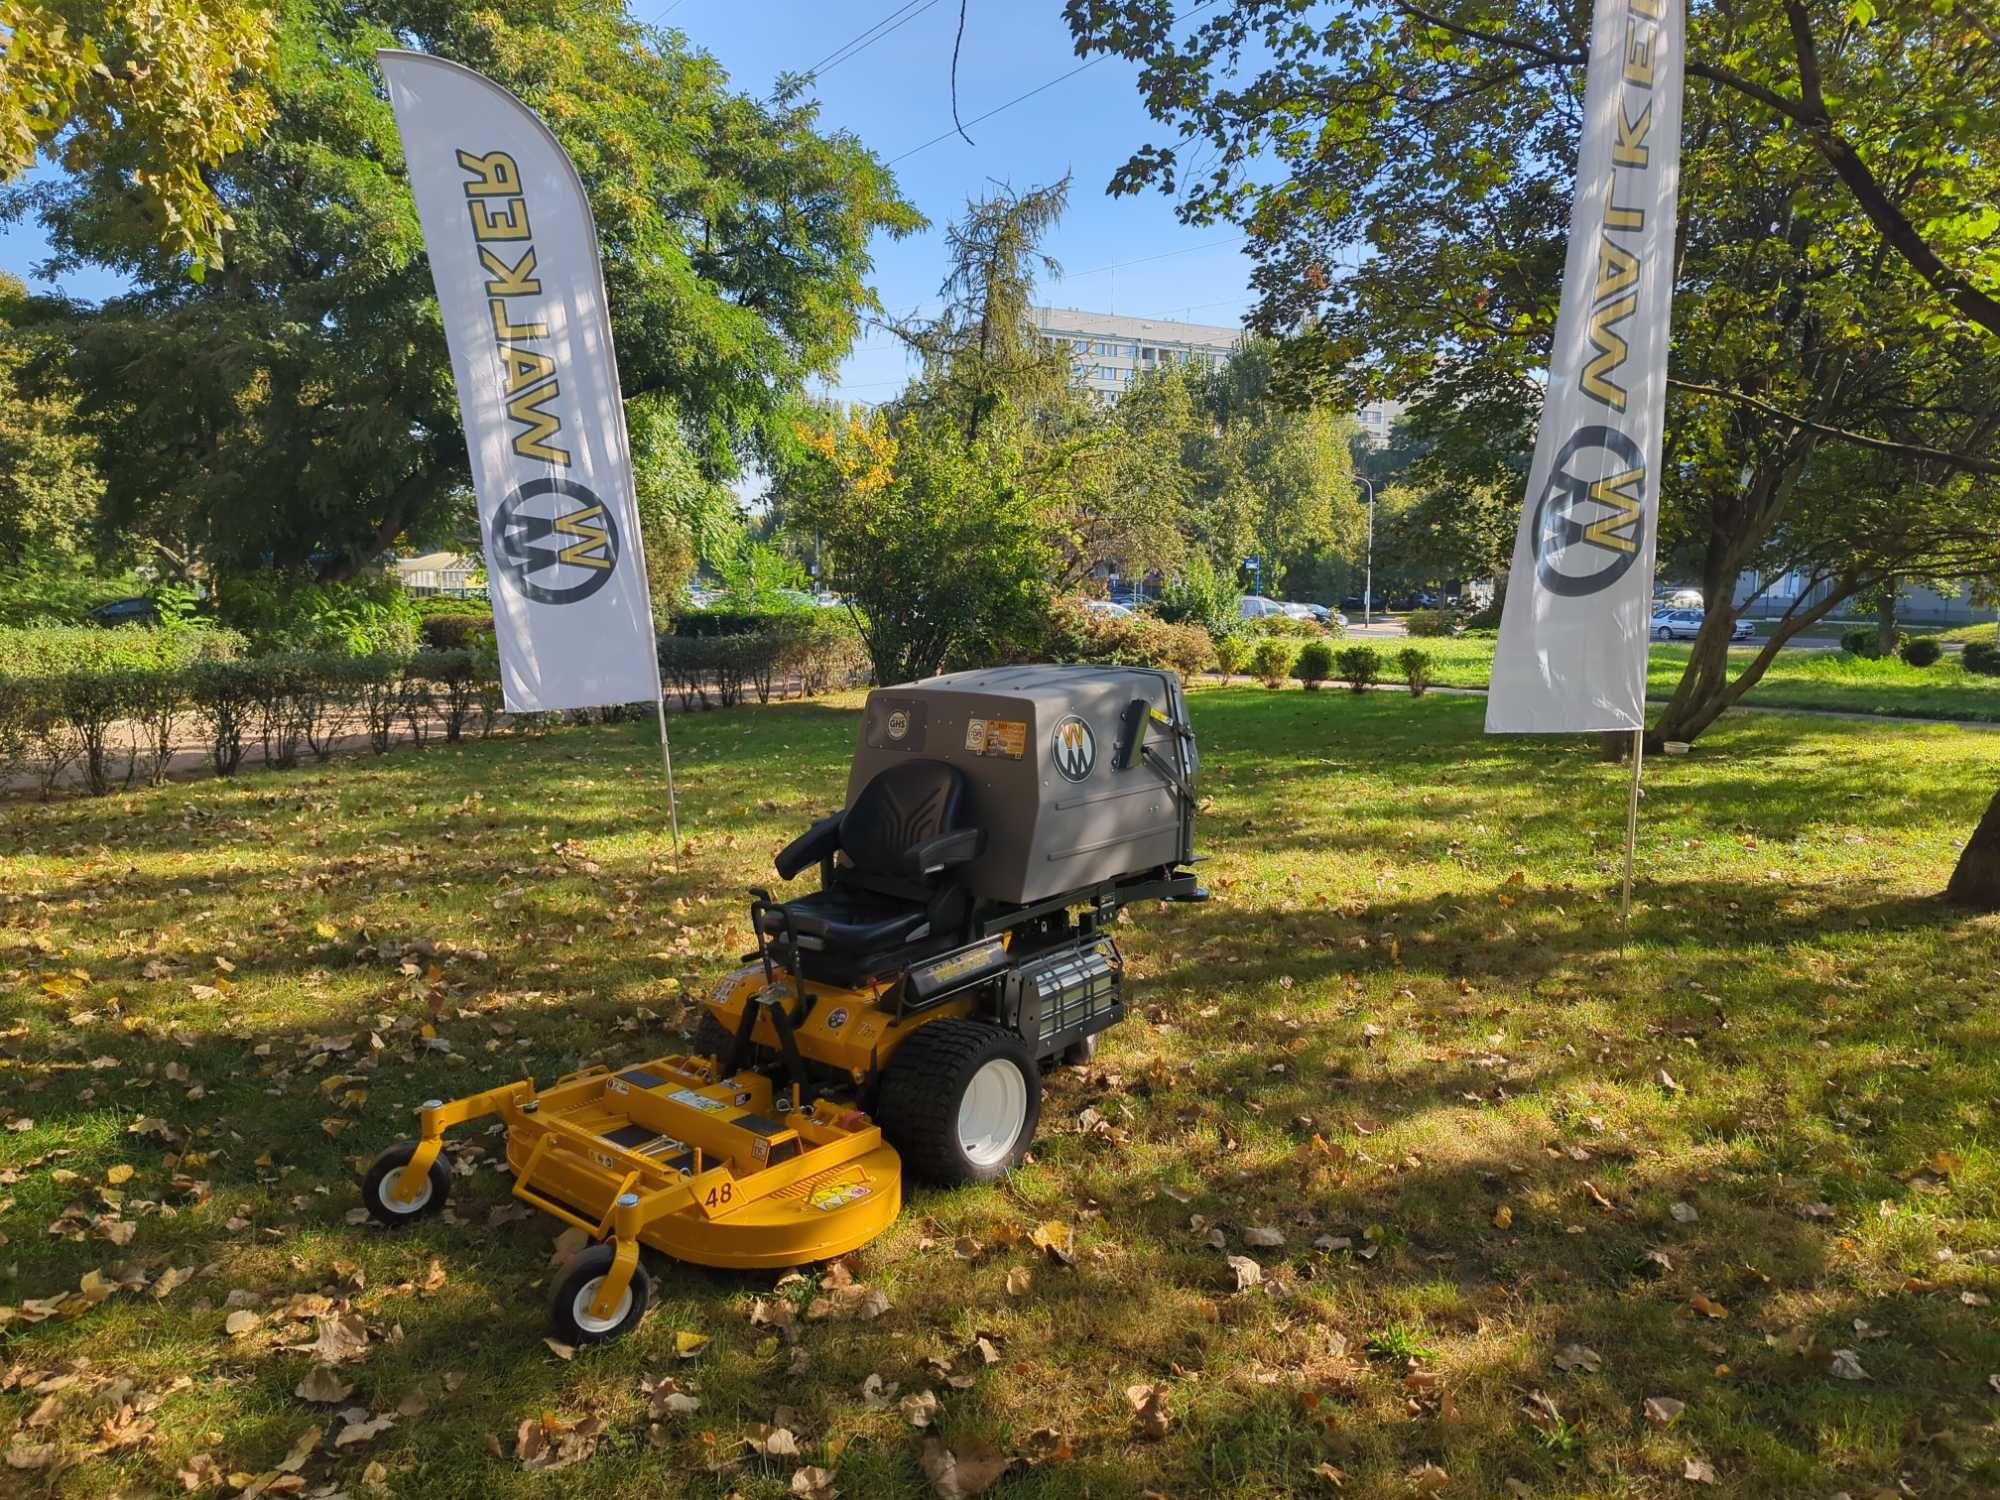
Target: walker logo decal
[(555, 541), (1591, 518), (1074, 748)]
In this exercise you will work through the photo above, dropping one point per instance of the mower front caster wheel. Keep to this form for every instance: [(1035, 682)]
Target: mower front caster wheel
[(960, 1101), (378, 1188), (569, 1310)]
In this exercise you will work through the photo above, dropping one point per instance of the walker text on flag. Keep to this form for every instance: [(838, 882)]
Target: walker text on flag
[(1574, 631), (513, 251)]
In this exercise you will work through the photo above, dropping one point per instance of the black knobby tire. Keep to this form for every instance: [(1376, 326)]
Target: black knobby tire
[(568, 1308), (924, 1084), (375, 1185)]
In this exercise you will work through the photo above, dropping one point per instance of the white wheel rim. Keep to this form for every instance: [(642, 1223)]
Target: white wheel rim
[(992, 1113), (386, 1191), (587, 1294)]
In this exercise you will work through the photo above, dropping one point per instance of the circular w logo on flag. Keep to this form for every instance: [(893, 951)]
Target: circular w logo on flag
[(555, 541), (1073, 748), (1591, 521)]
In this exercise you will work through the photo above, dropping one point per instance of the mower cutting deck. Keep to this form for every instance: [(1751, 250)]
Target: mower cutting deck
[(896, 1019)]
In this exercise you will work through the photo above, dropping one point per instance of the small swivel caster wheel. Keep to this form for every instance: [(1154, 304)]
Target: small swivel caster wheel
[(378, 1188), (569, 1310)]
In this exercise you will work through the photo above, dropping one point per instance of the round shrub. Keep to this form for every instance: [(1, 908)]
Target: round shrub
[(1232, 650), (1285, 627), (1359, 667), (1416, 665), (1430, 622), (1272, 661), (456, 630), (1314, 664), (1982, 657), (1866, 640), (1921, 651)]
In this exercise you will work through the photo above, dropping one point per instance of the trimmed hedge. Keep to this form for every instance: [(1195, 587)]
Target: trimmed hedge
[(1866, 640), (1982, 658), (1430, 622), (116, 717), (1921, 651), (50, 650)]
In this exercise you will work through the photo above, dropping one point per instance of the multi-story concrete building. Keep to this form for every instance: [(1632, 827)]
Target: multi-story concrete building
[(1109, 352)]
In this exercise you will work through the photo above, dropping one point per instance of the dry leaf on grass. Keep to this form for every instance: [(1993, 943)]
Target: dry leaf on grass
[(967, 1470), (323, 1384), (1149, 1408), (1708, 1307), (814, 1484), (1846, 1365), (1662, 1410), (1503, 1217), (687, 1345), (1684, 1213), (1427, 1479), (1056, 1239), (1333, 1476), (1577, 1357), (920, 1409), (241, 1323), (772, 1442), (1698, 1471), (546, 1442), (1247, 1272), (1019, 1280), (559, 1349), (1259, 1237)]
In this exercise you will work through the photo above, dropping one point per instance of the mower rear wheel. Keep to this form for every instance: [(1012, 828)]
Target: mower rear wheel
[(960, 1101), (569, 1309), (378, 1188)]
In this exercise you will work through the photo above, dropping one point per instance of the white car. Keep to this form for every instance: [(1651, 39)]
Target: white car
[(1685, 624), (1105, 607)]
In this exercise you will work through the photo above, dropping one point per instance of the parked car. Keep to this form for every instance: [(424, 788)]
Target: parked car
[(1680, 598), (135, 610), (1106, 607), (1685, 624), (1324, 615), (1257, 607)]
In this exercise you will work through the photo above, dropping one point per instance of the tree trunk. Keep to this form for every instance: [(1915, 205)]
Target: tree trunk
[(1976, 881), (1885, 620)]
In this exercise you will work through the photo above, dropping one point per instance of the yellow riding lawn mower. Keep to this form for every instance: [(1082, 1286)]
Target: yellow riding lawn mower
[(895, 1019)]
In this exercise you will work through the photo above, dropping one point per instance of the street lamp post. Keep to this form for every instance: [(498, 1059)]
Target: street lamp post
[(1368, 577)]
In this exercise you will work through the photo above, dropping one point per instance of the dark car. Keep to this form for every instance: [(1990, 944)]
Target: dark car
[(131, 611)]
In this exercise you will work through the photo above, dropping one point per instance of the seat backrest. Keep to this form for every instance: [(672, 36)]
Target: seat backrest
[(900, 808)]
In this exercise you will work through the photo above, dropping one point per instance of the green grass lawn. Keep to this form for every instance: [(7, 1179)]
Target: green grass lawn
[(1406, 1035), (1797, 679)]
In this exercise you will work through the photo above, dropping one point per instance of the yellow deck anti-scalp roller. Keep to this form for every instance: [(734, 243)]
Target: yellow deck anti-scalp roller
[(895, 1019)]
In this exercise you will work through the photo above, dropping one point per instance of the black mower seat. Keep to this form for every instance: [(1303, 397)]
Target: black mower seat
[(853, 919), (886, 865)]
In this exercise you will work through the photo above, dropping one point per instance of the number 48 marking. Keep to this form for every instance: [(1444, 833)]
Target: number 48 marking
[(719, 1197)]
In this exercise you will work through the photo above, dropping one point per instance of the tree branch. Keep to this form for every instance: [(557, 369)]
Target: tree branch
[(1964, 462)]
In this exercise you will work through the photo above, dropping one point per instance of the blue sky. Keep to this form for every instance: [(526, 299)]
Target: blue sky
[(1126, 255)]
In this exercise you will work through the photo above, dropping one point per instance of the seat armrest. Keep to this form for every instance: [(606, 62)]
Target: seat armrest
[(944, 851), (809, 848)]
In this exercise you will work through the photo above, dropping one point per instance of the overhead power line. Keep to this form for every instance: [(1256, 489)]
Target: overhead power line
[(1023, 98), (901, 16)]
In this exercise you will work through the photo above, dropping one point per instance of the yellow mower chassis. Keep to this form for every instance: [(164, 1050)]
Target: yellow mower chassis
[(743, 1184)]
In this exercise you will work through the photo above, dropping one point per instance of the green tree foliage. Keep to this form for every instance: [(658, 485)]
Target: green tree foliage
[(983, 361), (297, 408), (1836, 368), (157, 92), (49, 485), (930, 537)]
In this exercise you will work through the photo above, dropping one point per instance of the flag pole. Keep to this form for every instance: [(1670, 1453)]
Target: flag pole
[(1631, 829), (673, 805)]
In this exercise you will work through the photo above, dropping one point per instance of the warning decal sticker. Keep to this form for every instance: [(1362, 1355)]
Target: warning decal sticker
[(838, 1192), (1003, 737), (696, 1101)]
